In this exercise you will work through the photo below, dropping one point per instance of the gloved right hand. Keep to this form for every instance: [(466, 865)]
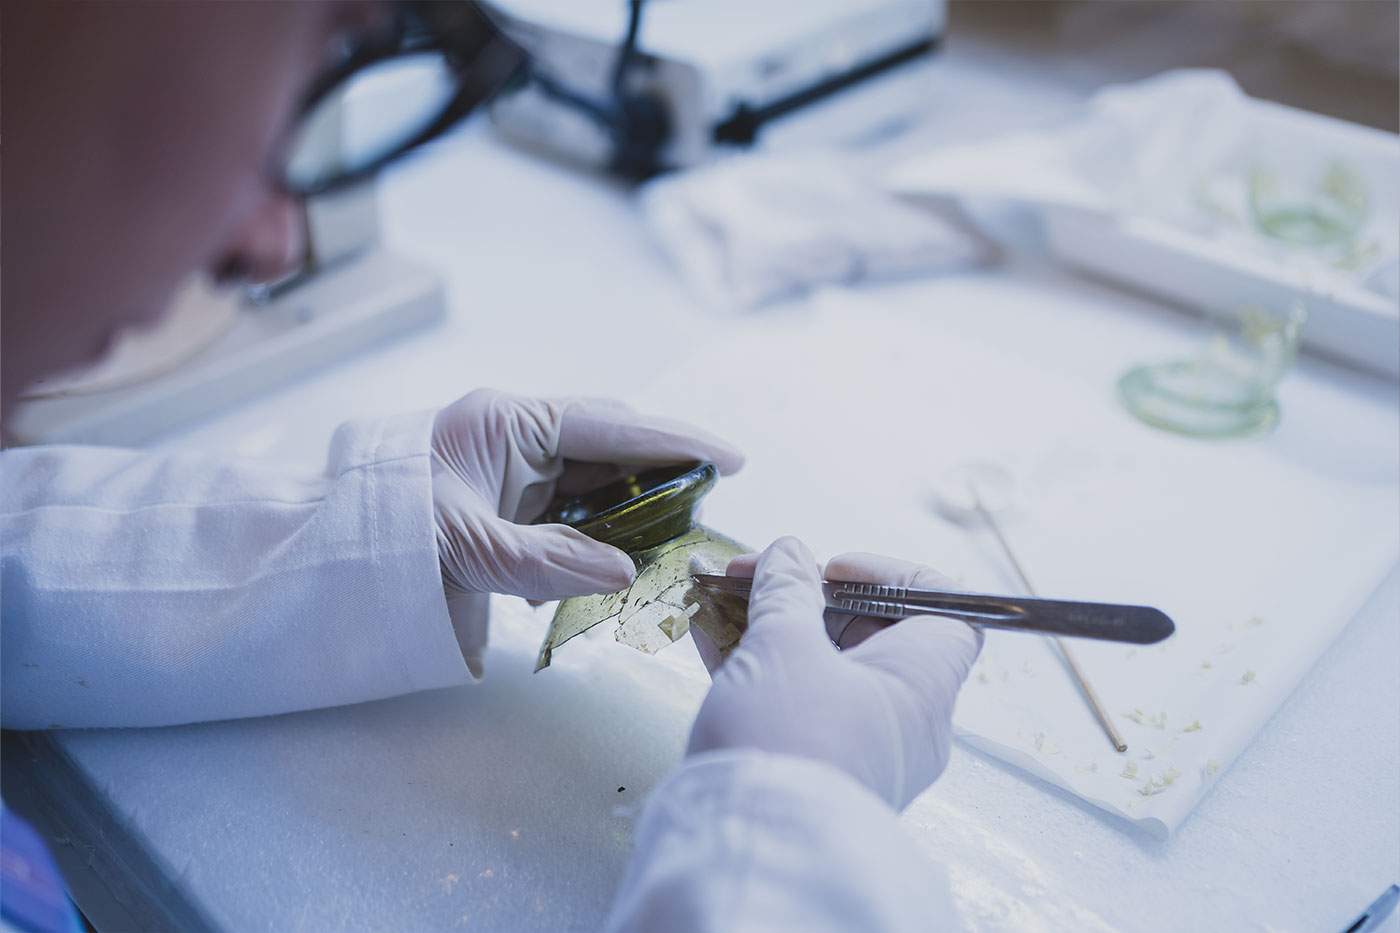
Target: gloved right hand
[(879, 708)]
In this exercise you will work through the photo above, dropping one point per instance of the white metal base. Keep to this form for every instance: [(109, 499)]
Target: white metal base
[(330, 316)]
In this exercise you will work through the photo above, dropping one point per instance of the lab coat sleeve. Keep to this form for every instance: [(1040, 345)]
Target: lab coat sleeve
[(146, 589), (742, 840)]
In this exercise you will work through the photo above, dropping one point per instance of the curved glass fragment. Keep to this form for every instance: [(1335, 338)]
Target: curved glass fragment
[(663, 602)]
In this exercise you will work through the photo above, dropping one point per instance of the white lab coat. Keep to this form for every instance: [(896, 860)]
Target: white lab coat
[(743, 840), (144, 589), (150, 589)]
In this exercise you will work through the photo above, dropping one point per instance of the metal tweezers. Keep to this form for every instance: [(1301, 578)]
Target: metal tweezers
[(1138, 625)]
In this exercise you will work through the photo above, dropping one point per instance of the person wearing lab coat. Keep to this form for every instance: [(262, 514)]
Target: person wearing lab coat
[(145, 142)]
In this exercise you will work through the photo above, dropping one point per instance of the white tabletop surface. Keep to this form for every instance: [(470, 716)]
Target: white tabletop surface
[(508, 805)]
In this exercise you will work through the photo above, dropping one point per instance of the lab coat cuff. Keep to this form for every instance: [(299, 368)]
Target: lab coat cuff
[(401, 493), (750, 840), (376, 441)]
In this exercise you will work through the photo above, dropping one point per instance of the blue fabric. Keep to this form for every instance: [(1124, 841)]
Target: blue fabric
[(31, 890)]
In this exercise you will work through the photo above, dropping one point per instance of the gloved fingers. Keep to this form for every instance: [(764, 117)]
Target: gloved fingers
[(743, 566), (608, 432), (548, 562), (786, 603), (930, 654), (846, 630), (572, 480), (580, 477), (481, 433), (862, 567)]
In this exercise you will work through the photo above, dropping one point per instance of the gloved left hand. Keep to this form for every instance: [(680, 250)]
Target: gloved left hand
[(500, 460)]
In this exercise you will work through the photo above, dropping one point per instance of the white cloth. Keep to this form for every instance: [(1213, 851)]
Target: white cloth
[(1140, 149), (745, 840), (148, 589), (1184, 149), (753, 229)]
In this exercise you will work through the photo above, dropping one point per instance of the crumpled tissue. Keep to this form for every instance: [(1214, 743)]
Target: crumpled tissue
[(757, 228), (1137, 149)]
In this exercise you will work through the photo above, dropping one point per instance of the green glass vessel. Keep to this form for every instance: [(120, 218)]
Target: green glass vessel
[(1228, 391), (651, 516), (642, 511)]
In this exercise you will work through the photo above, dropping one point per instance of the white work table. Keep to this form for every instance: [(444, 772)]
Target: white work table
[(509, 805)]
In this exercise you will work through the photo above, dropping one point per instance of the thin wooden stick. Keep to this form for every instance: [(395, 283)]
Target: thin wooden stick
[(1074, 668)]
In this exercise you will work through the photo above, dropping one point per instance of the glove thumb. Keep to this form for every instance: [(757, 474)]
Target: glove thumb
[(932, 655), (549, 562), (786, 603)]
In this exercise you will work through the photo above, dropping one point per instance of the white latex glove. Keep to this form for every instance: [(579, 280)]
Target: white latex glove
[(500, 460), (878, 708)]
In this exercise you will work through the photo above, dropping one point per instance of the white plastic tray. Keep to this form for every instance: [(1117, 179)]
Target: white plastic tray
[(1350, 323)]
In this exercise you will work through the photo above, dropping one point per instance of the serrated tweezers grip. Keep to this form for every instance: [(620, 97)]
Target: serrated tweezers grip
[(896, 602), (1141, 625)]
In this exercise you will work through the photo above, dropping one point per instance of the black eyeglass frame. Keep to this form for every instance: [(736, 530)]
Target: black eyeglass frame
[(483, 59)]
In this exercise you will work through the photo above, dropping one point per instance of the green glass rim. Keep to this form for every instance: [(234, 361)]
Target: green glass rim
[(641, 511), (1153, 404)]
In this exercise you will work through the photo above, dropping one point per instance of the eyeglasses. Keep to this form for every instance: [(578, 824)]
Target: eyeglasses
[(447, 51)]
